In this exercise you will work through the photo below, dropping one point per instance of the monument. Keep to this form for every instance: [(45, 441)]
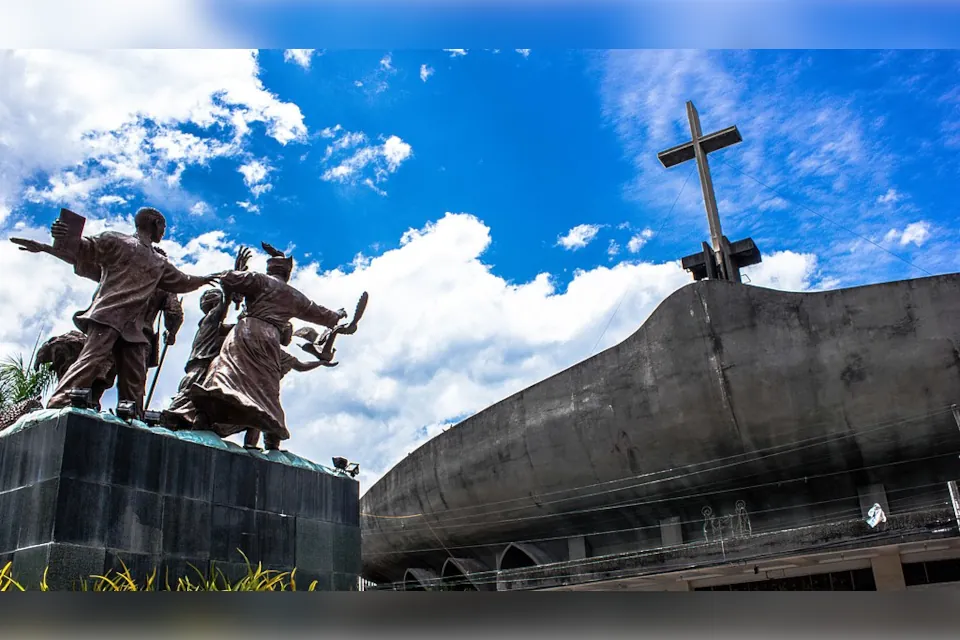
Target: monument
[(84, 492)]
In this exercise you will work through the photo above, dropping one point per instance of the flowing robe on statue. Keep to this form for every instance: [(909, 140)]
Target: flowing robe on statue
[(242, 387)]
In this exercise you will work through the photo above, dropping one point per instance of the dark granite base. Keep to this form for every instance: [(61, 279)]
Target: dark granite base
[(81, 495)]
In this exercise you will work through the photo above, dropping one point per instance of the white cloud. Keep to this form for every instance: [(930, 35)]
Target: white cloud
[(90, 120), (915, 233), (111, 200), (613, 249), (418, 361), (255, 176), (786, 271), (524, 52), (298, 56), (385, 62), (248, 206), (456, 52), (638, 240), (351, 157), (578, 237), (425, 72), (890, 197), (200, 208)]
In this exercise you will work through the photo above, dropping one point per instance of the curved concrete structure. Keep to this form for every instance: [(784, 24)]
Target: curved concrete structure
[(792, 402), (466, 574)]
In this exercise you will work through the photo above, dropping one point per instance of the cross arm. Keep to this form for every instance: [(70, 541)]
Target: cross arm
[(711, 142)]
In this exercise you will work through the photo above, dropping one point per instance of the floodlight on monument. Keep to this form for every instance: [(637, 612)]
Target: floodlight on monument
[(126, 410), (342, 464), (80, 398)]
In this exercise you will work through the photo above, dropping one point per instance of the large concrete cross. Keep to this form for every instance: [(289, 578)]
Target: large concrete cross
[(723, 260)]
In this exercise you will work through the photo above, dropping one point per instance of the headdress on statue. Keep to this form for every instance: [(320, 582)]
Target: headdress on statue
[(277, 260)]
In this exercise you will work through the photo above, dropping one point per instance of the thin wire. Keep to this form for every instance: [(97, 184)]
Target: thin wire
[(623, 296), (700, 544), (820, 215), (494, 575), (942, 500), (789, 447), (676, 498)]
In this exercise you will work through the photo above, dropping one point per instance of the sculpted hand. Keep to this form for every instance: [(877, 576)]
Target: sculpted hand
[(342, 313), (58, 229), (169, 338), (243, 257), (29, 245)]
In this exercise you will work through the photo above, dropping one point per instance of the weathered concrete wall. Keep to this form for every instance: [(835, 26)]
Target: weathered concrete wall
[(718, 375)]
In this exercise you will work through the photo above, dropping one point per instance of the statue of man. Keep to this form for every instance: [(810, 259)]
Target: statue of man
[(242, 388), (131, 271), (60, 352)]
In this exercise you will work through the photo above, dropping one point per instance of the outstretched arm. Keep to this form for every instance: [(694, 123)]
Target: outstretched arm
[(176, 281), (300, 365), (314, 313)]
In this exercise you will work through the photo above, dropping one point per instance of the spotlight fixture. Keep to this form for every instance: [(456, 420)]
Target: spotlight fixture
[(153, 418), (126, 410), (80, 398), (342, 464)]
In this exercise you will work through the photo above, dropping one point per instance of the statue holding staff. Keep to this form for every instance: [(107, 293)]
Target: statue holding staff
[(131, 271)]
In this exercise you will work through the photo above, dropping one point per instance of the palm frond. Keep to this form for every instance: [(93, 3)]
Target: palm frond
[(19, 381)]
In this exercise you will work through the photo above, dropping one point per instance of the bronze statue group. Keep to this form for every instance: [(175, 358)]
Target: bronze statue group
[(233, 373)]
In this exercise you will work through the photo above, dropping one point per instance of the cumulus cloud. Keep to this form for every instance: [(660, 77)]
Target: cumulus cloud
[(454, 53), (638, 240), (425, 72), (524, 52), (578, 237), (255, 176), (298, 56), (418, 361), (915, 233), (351, 158), (93, 120), (200, 208), (890, 197)]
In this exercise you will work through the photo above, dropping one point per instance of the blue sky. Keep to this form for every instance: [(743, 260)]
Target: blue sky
[(536, 145), (546, 161)]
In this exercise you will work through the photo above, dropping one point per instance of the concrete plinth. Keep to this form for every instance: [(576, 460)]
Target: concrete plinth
[(82, 492)]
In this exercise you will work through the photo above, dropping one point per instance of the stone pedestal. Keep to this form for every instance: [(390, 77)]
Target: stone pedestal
[(80, 492)]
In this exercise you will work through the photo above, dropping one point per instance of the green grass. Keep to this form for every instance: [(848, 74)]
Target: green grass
[(256, 579)]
